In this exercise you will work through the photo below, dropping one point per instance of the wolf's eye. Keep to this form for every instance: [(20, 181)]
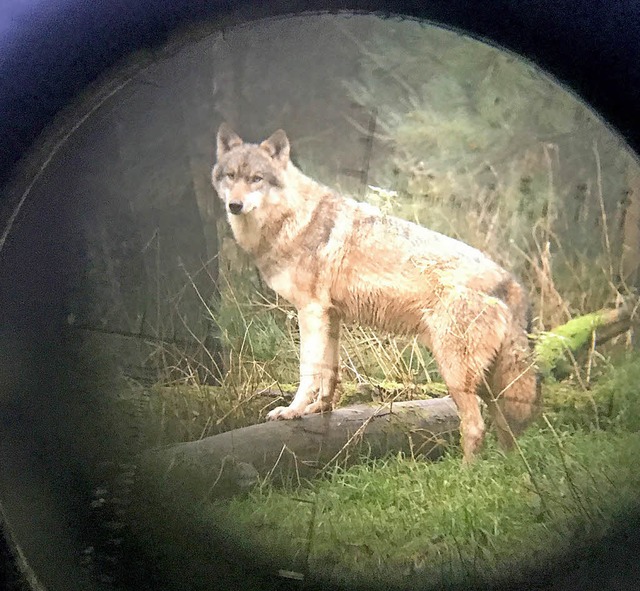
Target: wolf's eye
[(256, 178), (230, 175)]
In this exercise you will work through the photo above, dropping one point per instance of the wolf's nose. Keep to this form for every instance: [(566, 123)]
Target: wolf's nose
[(235, 207)]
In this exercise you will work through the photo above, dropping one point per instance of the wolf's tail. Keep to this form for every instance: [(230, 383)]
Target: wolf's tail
[(514, 398), (515, 387)]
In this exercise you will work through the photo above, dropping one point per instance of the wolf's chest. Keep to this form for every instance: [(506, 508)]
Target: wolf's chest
[(282, 282), (245, 232)]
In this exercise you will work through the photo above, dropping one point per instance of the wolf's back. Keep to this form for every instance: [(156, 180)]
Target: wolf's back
[(405, 236)]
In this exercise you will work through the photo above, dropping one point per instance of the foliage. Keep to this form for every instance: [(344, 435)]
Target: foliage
[(612, 404)]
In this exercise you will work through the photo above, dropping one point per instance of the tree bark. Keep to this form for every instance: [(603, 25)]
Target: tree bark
[(198, 113), (630, 256)]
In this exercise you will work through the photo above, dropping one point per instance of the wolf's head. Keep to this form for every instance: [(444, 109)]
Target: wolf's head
[(246, 176)]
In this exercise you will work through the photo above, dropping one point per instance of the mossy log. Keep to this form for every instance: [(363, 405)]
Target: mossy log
[(230, 462), (557, 348)]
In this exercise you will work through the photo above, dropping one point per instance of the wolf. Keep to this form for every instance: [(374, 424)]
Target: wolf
[(338, 260)]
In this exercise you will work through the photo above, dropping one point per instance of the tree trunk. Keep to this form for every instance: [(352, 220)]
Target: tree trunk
[(197, 113), (631, 229)]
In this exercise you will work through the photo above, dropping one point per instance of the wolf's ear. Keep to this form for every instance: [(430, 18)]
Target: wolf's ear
[(227, 139), (277, 146)]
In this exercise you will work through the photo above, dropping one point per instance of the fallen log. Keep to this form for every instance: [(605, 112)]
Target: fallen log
[(557, 349), (233, 461)]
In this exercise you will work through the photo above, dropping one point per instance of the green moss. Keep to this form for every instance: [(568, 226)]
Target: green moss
[(552, 346), (386, 391)]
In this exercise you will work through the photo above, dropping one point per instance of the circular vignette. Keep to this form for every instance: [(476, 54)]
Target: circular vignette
[(592, 48)]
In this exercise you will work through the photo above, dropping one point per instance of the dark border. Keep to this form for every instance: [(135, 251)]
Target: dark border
[(50, 57)]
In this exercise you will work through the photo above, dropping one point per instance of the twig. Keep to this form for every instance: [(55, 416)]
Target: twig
[(603, 212)]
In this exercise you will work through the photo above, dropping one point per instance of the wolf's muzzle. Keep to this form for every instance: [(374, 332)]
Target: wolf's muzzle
[(235, 207)]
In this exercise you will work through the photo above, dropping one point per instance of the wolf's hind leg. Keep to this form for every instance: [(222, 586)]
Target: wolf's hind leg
[(465, 331), (505, 435), (319, 356)]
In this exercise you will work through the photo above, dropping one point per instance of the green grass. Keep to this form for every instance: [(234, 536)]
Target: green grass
[(399, 520)]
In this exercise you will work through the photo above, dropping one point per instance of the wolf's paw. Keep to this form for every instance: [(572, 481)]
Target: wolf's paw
[(284, 413)]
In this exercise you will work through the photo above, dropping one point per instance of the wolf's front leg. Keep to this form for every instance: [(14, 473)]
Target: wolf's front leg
[(319, 355)]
